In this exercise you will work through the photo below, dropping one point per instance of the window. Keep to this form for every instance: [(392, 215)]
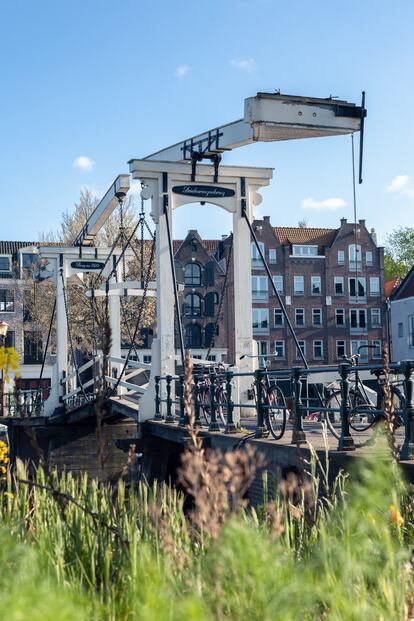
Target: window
[(279, 320), (210, 300), (302, 347), (10, 340), (341, 257), (316, 316), (304, 251), (147, 359), (260, 320), (400, 329), (278, 283), (261, 351), (368, 258), (377, 349), (375, 317), (360, 347), (33, 353), (340, 349), (256, 260), (280, 349), (411, 330), (259, 288), (318, 349), (192, 335), (6, 301), (374, 285), (298, 285), (192, 275), (212, 358), (357, 289), (358, 319), (272, 255), (300, 316), (192, 305), (5, 265), (209, 335), (355, 258), (316, 285), (339, 285), (340, 317)]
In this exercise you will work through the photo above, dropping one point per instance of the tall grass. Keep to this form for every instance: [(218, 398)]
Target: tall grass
[(92, 551)]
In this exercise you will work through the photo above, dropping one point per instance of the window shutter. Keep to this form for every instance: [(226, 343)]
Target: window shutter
[(209, 274), (209, 335), (209, 304)]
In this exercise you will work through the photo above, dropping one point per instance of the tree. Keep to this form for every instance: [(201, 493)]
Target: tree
[(399, 252), (87, 317)]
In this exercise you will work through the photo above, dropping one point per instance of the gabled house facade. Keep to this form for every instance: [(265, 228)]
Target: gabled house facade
[(402, 319)]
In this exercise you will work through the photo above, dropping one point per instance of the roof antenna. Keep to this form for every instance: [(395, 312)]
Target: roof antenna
[(361, 135)]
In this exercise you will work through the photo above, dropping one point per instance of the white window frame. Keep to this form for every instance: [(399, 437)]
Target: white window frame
[(260, 293), (304, 250), (283, 347), (319, 341), (260, 329), (303, 342), (272, 255), (377, 312), (9, 257), (374, 352), (278, 325), (296, 279), (400, 329), (339, 357), (364, 352), (376, 280), (255, 256), (340, 325), (341, 257), (317, 311), (317, 279), (368, 258), (300, 325), (411, 331), (354, 257), (358, 312), (339, 280), (359, 280), (5, 310), (278, 279)]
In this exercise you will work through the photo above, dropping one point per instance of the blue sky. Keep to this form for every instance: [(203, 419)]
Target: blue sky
[(109, 81)]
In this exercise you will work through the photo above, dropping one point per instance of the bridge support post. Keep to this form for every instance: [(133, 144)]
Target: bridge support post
[(407, 450), (260, 425), (61, 329), (298, 434), (346, 442), (230, 426)]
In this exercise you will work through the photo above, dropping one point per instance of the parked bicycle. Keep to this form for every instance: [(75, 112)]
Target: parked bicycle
[(273, 400), (367, 405), (220, 395)]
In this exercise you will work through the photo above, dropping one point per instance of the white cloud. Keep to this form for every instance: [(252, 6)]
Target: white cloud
[(83, 162), (244, 64), (182, 70), (401, 185), (329, 204)]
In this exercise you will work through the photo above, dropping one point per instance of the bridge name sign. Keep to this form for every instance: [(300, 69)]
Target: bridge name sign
[(203, 191), (86, 266)]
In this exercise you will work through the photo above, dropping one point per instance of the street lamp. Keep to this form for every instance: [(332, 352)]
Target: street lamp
[(3, 333)]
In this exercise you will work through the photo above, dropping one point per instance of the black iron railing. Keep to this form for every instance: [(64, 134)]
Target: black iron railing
[(347, 414), (24, 403)]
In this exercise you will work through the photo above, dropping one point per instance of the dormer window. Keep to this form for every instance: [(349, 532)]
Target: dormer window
[(5, 264), (304, 251)]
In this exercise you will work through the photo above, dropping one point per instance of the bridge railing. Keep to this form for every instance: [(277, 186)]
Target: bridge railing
[(24, 403), (213, 399)]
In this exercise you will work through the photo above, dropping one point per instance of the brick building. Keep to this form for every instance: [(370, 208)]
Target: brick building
[(17, 261), (331, 282)]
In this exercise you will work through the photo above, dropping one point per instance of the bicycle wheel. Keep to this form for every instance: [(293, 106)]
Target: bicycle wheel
[(363, 414), (204, 402), (221, 405), (332, 417), (275, 414)]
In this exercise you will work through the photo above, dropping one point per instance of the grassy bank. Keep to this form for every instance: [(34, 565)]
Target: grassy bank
[(73, 549)]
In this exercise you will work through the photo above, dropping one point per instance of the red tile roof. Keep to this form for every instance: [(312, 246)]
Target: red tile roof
[(390, 285), (304, 235)]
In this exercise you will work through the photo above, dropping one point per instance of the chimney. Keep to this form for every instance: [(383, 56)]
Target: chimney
[(343, 221), (362, 222), (266, 219), (374, 236)]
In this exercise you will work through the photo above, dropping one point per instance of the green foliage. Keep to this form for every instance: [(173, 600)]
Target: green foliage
[(132, 554), (399, 252)]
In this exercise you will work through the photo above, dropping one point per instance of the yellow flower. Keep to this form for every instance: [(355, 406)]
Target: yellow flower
[(395, 516)]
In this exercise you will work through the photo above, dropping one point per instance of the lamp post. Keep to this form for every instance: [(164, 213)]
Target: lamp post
[(3, 333)]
